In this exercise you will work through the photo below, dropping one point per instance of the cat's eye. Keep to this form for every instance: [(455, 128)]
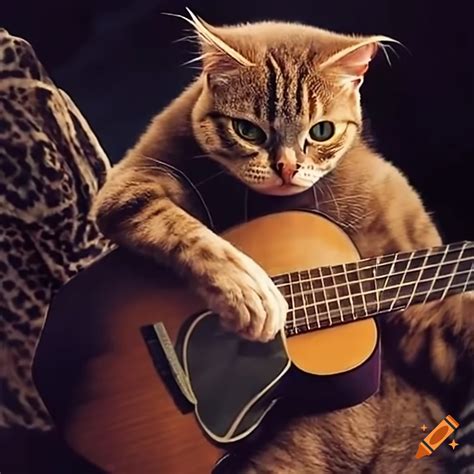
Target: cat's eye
[(322, 131), (248, 131)]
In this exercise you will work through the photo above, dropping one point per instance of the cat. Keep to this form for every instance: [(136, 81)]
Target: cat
[(274, 121)]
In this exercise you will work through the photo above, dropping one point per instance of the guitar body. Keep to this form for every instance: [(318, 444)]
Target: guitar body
[(95, 374)]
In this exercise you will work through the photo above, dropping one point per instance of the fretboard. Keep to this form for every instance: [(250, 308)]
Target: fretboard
[(338, 294)]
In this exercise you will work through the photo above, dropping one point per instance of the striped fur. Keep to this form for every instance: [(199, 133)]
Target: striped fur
[(148, 205), (464, 456)]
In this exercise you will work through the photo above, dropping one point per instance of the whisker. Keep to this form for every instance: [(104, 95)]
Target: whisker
[(393, 50), (386, 54), (179, 173), (195, 60), (315, 195), (336, 204), (160, 169), (155, 160), (348, 225), (209, 178), (329, 179), (344, 198), (190, 39)]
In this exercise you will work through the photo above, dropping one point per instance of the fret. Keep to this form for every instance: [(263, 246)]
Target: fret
[(466, 285), (364, 274), (329, 295), (308, 296), (447, 286), (349, 293), (338, 297), (292, 304), (447, 273), (400, 285), (431, 261), (428, 276), (410, 285), (392, 283), (409, 279), (470, 254), (314, 299), (450, 284), (466, 263), (376, 266), (321, 297), (384, 268), (325, 295), (453, 273), (404, 282), (354, 287), (305, 304), (420, 279), (296, 295), (342, 285), (365, 269)]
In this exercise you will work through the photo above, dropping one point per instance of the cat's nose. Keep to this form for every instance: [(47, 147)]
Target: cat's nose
[(286, 164), (286, 170)]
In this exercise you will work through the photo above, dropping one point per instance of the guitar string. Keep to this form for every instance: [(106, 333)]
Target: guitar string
[(400, 286), (371, 278), (378, 266), (338, 298), (375, 292), (350, 290), (367, 313), (451, 280), (468, 278), (313, 295), (305, 304), (441, 263), (465, 285), (292, 302), (364, 306), (325, 298)]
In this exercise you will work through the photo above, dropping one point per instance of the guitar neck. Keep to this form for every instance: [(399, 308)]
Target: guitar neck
[(332, 295)]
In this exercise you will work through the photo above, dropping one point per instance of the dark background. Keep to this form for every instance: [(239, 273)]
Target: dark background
[(118, 62)]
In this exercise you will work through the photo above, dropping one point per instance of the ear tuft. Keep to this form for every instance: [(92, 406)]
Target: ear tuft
[(350, 64), (217, 55), (212, 40)]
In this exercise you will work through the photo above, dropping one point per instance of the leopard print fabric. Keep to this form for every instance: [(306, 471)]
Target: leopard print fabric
[(51, 166)]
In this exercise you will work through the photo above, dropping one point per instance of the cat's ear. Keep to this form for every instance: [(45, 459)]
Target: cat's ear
[(349, 65), (219, 58)]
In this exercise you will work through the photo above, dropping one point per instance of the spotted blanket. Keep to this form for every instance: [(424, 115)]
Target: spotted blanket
[(51, 166)]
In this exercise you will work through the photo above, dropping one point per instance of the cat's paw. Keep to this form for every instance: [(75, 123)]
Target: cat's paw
[(243, 295)]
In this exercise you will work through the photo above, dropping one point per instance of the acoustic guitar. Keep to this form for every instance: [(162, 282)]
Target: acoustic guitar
[(95, 364)]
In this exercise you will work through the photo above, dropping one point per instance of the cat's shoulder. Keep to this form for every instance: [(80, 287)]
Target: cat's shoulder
[(372, 164)]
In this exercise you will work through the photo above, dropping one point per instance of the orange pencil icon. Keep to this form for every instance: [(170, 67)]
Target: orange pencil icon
[(437, 436)]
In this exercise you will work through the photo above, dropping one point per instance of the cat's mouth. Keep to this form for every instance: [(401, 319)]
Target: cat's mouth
[(280, 189), (276, 186)]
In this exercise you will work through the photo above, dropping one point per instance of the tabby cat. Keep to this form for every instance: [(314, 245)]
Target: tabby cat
[(273, 122)]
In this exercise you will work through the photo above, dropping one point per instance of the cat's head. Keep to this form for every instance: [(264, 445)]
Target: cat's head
[(280, 102)]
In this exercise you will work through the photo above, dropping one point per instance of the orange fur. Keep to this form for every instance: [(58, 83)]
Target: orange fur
[(272, 75)]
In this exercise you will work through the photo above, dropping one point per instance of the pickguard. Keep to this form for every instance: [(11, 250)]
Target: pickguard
[(233, 380)]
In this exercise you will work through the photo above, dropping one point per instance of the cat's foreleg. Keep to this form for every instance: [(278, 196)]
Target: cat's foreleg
[(145, 210)]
